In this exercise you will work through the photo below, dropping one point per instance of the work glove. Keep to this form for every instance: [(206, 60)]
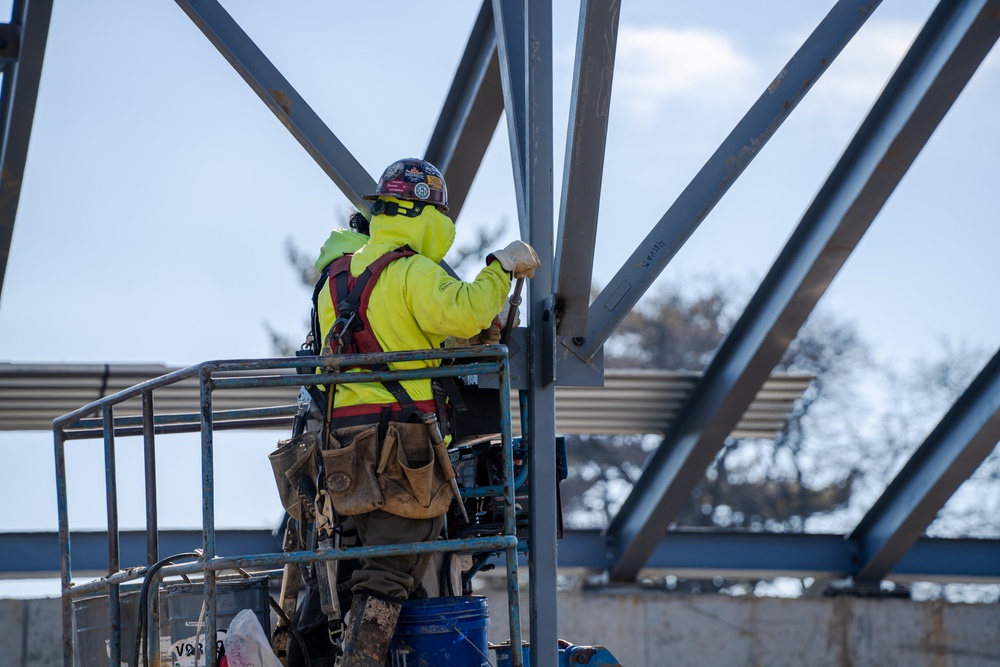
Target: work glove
[(488, 336), (519, 259), (452, 341), (491, 334)]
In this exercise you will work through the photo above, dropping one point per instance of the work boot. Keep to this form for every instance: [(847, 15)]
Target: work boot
[(369, 630)]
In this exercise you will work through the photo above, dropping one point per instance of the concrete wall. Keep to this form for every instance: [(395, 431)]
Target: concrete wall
[(656, 628), (652, 629), (31, 633)]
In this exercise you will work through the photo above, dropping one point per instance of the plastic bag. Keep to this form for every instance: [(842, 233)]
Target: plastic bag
[(246, 644)]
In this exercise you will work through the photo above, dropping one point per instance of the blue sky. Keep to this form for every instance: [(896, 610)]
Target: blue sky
[(159, 191)]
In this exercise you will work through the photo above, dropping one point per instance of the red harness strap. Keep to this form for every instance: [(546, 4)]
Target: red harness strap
[(350, 297)]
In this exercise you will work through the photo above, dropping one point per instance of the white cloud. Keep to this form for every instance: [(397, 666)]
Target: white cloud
[(857, 76), (657, 65)]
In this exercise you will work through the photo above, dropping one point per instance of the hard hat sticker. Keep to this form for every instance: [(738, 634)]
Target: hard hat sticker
[(413, 175), (395, 187), (392, 170), (422, 190), (429, 168), (434, 182)]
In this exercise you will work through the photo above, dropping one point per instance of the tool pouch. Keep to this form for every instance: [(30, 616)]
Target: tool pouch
[(349, 470), (410, 477), (292, 459)]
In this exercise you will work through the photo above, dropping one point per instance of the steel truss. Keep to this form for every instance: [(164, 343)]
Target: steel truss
[(950, 47), (507, 67), (941, 61)]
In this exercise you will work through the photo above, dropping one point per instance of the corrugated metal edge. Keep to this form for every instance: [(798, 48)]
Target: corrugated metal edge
[(631, 401)]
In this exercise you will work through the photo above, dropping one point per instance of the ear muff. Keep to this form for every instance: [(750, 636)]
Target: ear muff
[(382, 207)]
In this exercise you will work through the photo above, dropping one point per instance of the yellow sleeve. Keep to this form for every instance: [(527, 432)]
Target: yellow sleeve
[(443, 306)]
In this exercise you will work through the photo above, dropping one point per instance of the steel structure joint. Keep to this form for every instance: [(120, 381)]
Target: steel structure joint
[(572, 371)]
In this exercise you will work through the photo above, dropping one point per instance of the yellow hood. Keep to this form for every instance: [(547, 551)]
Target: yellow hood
[(430, 234), (339, 243)]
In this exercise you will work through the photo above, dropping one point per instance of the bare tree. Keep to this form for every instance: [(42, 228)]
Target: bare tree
[(673, 329), (601, 472), (751, 483)]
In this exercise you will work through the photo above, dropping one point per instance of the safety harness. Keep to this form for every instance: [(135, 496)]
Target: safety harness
[(351, 333)]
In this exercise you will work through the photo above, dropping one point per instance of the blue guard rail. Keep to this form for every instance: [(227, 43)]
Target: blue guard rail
[(98, 420)]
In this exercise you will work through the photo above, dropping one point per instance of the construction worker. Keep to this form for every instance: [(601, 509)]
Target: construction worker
[(313, 626), (378, 458)]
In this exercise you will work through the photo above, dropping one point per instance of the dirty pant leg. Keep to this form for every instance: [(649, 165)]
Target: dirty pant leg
[(393, 577)]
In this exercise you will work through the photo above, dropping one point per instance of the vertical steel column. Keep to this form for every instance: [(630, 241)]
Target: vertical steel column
[(62, 509), (208, 513), (114, 554), (541, 333)]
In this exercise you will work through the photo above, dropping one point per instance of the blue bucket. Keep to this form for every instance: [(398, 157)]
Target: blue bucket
[(442, 631), (504, 654)]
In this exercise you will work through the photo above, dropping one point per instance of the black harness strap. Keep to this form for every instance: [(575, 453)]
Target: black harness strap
[(317, 335), (450, 389)]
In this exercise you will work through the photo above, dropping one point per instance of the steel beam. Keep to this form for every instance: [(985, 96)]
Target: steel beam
[(951, 453), (712, 554), (704, 554), (541, 398), (720, 172), (952, 44), (695, 554), (470, 113), (583, 171), (508, 16), (282, 99), (37, 554), (961, 560), (22, 50)]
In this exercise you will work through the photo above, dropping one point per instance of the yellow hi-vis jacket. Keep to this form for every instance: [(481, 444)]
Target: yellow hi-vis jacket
[(415, 304)]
